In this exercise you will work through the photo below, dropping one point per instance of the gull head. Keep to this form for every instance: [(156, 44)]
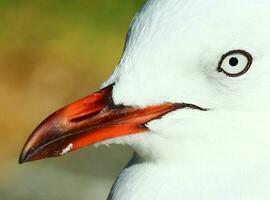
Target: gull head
[(193, 86), (212, 54)]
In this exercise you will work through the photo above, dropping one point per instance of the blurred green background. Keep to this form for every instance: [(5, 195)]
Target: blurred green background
[(53, 52)]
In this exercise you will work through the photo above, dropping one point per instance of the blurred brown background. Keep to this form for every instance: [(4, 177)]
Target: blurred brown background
[(51, 53)]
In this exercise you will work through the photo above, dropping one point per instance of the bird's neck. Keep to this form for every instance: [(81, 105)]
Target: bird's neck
[(161, 181)]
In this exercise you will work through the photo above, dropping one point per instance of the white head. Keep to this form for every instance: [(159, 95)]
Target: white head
[(177, 52), (172, 54)]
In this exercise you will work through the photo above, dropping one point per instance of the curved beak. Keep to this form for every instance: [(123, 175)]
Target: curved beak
[(90, 120)]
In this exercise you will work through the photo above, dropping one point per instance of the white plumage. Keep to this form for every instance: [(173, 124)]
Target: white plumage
[(172, 55), (194, 82)]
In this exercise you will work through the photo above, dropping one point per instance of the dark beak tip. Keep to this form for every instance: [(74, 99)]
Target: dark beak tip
[(21, 160), (23, 157)]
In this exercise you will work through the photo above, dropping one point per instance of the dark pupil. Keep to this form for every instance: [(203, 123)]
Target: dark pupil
[(233, 61)]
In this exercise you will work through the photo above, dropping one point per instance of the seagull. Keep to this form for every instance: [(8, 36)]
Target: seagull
[(190, 96)]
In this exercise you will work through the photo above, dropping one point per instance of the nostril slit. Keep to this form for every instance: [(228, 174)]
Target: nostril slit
[(84, 117)]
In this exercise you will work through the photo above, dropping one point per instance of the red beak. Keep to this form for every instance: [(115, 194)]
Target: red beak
[(90, 120)]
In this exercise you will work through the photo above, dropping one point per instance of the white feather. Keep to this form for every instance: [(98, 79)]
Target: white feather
[(172, 54)]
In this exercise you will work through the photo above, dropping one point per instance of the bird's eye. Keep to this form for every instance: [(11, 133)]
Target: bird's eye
[(235, 63)]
